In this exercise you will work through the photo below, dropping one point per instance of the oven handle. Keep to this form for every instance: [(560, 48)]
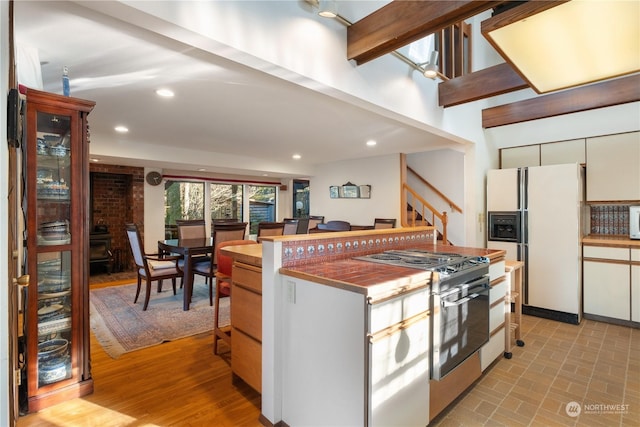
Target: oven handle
[(479, 283), (460, 301)]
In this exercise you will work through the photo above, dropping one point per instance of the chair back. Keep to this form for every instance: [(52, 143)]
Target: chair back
[(379, 223), (314, 220), (226, 262), (191, 229), (290, 226), (336, 226), (266, 228), (224, 232), (135, 242)]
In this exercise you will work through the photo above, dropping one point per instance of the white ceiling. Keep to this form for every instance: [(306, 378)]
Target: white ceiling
[(221, 109)]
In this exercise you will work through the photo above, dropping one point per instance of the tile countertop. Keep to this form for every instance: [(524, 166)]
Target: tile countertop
[(610, 241), (377, 281)]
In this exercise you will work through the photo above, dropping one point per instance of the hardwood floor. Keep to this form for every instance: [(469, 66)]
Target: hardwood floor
[(179, 383)]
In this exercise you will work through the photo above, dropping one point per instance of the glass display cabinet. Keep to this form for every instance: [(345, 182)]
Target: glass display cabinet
[(56, 176)]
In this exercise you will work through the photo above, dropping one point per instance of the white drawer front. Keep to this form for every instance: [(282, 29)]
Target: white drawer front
[(394, 310), (496, 270), (493, 349), (498, 291), (496, 317), (603, 252)]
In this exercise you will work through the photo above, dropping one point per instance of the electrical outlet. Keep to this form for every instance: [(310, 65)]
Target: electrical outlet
[(291, 291)]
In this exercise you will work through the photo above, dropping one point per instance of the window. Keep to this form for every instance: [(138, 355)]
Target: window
[(187, 200), (226, 201), (183, 200), (300, 199), (262, 205)]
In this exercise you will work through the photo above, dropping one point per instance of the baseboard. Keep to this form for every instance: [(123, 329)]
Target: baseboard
[(545, 313)]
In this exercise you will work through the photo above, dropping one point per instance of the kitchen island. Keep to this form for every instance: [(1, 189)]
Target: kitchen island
[(350, 339), (246, 313)]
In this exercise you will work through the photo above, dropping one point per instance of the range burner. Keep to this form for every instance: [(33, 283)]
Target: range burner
[(446, 266)]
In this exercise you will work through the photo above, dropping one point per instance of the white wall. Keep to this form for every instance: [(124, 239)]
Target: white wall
[(4, 191), (382, 173), (445, 170), (153, 215)]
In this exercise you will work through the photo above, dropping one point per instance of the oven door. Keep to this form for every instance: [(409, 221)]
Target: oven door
[(460, 324)]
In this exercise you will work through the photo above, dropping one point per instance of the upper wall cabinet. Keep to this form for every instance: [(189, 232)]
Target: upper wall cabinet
[(551, 153), (613, 171), (557, 153), (519, 157)]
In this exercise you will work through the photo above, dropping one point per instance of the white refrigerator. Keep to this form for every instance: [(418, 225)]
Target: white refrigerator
[(549, 201)]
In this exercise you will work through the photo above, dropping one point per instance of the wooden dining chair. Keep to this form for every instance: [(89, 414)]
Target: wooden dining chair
[(150, 267), (191, 228), (224, 277), (314, 220), (290, 226), (269, 228), (380, 223), (222, 233)]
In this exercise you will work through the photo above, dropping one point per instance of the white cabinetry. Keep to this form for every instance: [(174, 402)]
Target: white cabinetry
[(495, 347), (349, 362), (635, 285), (551, 153), (612, 167), (555, 153), (606, 287), (516, 157), (497, 295)]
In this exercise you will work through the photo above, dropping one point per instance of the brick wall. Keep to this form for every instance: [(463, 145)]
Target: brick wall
[(117, 197)]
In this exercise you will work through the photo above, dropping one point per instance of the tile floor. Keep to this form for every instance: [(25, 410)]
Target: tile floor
[(565, 375)]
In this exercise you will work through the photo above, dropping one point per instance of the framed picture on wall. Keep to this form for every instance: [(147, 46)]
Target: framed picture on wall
[(365, 191), (350, 191), (334, 192)]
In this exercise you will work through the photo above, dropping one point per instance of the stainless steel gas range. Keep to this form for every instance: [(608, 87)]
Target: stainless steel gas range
[(459, 302)]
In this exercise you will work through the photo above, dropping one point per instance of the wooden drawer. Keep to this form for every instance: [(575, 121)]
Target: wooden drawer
[(247, 276), (246, 311), (246, 359)]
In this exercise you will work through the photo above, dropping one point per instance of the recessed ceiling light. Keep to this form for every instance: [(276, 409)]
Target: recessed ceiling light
[(165, 93), (121, 129), (371, 143), (201, 169), (296, 156), (93, 159)]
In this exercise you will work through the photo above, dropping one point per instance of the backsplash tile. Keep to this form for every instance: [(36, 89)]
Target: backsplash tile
[(334, 248)]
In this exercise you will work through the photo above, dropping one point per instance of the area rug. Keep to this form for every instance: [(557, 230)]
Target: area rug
[(120, 326)]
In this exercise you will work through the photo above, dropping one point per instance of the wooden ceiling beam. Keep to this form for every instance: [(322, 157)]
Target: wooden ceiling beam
[(401, 22), (480, 84), (598, 95)]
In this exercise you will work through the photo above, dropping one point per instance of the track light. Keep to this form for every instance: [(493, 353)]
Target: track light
[(430, 69), (328, 8)]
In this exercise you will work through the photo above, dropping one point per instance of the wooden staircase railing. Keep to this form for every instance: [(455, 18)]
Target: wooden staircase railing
[(417, 207)]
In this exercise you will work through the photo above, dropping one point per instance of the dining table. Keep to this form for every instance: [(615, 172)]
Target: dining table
[(187, 248)]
